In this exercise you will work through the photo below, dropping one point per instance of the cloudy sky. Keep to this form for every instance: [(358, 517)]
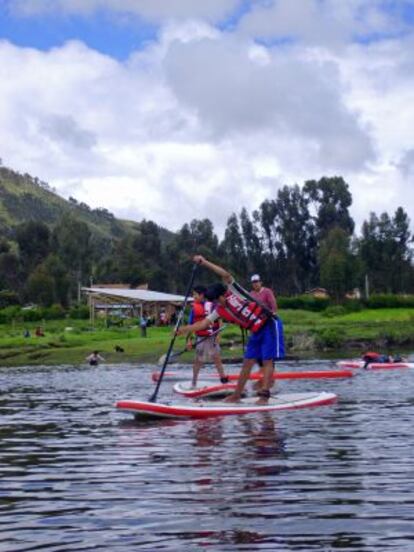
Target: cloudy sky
[(180, 109)]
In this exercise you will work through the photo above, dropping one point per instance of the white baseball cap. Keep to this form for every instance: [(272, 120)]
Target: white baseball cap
[(255, 278)]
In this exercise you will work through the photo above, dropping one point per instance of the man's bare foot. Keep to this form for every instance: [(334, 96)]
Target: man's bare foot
[(264, 396), (262, 401), (233, 398)]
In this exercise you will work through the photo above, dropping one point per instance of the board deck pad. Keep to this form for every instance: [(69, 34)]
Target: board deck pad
[(204, 389), (204, 409)]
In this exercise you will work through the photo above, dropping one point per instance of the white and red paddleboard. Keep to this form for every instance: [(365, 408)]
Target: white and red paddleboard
[(304, 374), (374, 365), (204, 389), (290, 401)]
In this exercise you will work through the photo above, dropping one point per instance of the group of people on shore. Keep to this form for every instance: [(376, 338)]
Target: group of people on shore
[(38, 332)]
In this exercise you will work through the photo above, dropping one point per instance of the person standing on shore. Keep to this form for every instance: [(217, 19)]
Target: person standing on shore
[(143, 323), (235, 305)]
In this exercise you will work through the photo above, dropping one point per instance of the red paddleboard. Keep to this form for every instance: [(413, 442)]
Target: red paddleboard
[(309, 374), (375, 365), (204, 389), (289, 401)]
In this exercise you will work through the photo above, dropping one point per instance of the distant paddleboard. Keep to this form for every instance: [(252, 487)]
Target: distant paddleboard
[(304, 374), (374, 365), (289, 401), (204, 389)]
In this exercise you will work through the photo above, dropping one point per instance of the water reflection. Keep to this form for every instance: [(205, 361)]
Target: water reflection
[(76, 475)]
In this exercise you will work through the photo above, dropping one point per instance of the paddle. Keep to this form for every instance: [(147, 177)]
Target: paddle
[(180, 317), (161, 360)]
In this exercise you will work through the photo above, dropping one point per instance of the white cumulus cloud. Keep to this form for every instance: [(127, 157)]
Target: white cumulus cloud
[(203, 121)]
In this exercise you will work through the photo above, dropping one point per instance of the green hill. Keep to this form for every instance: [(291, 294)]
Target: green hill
[(24, 198)]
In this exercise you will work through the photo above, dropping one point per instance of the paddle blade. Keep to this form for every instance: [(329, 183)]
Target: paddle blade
[(163, 358)]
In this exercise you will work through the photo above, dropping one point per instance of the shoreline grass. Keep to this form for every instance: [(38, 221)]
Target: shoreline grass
[(307, 333)]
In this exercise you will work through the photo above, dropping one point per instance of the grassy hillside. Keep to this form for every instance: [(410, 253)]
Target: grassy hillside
[(24, 198)]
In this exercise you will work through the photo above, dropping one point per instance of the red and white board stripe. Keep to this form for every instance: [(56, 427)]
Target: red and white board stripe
[(290, 401)]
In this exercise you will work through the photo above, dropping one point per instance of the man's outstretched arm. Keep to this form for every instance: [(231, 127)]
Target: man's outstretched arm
[(226, 276)]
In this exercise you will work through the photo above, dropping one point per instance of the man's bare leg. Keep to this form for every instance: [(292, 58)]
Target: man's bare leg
[(258, 385), (267, 381), (219, 366), (247, 365), (196, 370)]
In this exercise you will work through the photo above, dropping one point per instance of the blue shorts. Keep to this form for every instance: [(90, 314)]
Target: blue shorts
[(263, 344)]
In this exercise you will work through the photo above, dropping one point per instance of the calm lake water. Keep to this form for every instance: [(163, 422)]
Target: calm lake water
[(76, 475)]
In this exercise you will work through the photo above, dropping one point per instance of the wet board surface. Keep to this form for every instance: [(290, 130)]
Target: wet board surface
[(375, 365), (204, 389), (303, 374), (200, 409)]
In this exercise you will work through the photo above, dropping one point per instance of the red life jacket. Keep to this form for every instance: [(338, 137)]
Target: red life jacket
[(200, 312), (243, 312), (370, 355)]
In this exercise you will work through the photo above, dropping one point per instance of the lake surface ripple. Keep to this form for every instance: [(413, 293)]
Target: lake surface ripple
[(76, 475)]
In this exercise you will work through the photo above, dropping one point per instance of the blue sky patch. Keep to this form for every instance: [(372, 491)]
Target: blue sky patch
[(110, 34)]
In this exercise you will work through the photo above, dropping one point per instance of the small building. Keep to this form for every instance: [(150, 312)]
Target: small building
[(354, 294), (318, 292), (128, 303)]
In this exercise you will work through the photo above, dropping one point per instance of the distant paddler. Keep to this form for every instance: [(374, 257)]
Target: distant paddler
[(234, 304), (372, 357)]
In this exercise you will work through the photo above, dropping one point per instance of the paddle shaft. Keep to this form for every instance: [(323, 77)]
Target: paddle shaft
[(180, 317)]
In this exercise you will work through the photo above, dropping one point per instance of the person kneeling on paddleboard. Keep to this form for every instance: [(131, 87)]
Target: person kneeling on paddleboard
[(207, 347), (371, 357), (235, 305)]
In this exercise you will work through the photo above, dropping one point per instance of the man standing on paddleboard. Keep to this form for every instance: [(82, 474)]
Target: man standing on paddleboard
[(263, 294), (266, 297), (235, 305)]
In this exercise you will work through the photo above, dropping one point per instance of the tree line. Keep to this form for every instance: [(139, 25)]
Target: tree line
[(303, 238)]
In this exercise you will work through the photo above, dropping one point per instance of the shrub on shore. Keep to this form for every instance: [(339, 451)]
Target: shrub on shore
[(304, 302), (390, 301)]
